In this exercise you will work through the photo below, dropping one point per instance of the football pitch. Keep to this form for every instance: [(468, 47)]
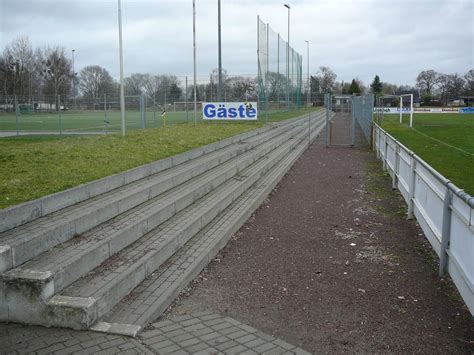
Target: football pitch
[(88, 120), (96, 121), (445, 141)]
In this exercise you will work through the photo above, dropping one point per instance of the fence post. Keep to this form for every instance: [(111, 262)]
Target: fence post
[(384, 165), (142, 110), (186, 100), (59, 112), (411, 192), (396, 166), (353, 127), (16, 117), (326, 98), (445, 231)]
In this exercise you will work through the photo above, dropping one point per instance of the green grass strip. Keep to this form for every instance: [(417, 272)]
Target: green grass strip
[(445, 141), (35, 166)]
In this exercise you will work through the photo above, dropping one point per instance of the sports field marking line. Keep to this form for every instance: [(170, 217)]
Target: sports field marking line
[(446, 144)]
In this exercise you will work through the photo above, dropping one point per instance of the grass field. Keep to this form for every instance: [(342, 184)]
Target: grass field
[(94, 120), (34, 166), (445, 141)]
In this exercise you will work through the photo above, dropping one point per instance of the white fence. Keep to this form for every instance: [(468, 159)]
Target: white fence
[(444, 212)]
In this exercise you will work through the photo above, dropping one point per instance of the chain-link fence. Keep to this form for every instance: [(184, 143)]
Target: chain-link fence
[(279, 72), (153, 105)]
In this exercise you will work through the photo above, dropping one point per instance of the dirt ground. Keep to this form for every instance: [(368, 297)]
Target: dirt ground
[(331, 264)]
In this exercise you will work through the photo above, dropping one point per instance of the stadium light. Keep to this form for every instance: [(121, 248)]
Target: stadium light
[(219, 87), (194, 60), (307, 69), (288, 59), (122, 97)]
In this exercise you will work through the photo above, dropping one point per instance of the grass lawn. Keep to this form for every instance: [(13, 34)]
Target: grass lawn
[(35, 166), (445, 141)]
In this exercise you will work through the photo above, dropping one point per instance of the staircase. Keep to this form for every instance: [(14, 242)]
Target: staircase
[(113, 254)]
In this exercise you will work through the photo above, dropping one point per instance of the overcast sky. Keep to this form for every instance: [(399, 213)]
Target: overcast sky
[(356, 38)]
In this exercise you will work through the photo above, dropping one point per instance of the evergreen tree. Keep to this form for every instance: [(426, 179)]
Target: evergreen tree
[(376, 86), (354, 88)]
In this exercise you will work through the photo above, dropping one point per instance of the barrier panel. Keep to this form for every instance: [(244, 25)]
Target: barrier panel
[(444, 212)]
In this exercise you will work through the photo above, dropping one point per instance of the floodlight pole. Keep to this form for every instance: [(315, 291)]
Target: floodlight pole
[(73, 79), (307, 69), (219, 87), (122, 97), (194, 59), (288, 59)]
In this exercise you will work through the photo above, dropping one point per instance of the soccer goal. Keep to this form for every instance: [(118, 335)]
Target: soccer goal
[(406, 107)]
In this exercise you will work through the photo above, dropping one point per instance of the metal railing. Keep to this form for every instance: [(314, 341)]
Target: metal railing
[(444, 212)]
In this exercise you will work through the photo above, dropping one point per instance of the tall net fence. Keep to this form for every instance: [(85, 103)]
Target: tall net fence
[(280, 75), (363, 107)]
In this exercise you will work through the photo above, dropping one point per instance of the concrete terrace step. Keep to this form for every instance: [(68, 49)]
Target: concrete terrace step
[(31, 239), (107, 284), (27, 288), (158, 291)]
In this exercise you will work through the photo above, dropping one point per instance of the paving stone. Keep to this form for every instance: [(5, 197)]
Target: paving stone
[(197, 347), (182, 337), (169, 349), (209, 336), (276, 351), (236, 350), (264, 347), (207, 351), (254, 343), (246, 338), (283, 344), (189, 342), (226, 345), (237, 334)]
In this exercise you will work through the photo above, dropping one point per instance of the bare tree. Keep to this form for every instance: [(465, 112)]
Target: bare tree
[(135, 84), (18, 64), (242, 88), (95, 81), (427, 80), (469, 77), (455, 86), (56, 70), (327, 79)]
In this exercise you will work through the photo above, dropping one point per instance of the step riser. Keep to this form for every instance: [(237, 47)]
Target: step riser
[(141, 271), (14, 289), (39, 243)]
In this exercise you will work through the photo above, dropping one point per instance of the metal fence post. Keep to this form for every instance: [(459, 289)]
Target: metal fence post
[(142, 111), (326, 98), (186, 101), (59, 113), (384, 161), (16, 117), (396, 166), (445, 231), (353, 126), (411, 192)]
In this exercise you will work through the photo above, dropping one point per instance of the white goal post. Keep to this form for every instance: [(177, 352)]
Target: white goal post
[(410, 108)]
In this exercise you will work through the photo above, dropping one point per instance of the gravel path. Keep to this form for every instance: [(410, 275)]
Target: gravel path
[(330, 263)]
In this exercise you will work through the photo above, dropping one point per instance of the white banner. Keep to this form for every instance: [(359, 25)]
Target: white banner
[(230, 111), (418, 110)]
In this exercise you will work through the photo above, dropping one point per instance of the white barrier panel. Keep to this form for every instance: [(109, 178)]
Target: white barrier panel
[(229, 111), (444, 212), (389, 110)]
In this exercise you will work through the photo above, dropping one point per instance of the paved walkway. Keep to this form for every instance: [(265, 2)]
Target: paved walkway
[(204, 333), (49, 133)]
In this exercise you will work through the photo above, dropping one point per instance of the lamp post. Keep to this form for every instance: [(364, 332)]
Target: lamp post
[(288, 59), (307, 73), (194, 60), (219, 87), (73, 79), (122, 97)]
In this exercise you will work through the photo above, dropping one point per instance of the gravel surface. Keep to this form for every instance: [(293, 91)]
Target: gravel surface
[(331, 264)]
